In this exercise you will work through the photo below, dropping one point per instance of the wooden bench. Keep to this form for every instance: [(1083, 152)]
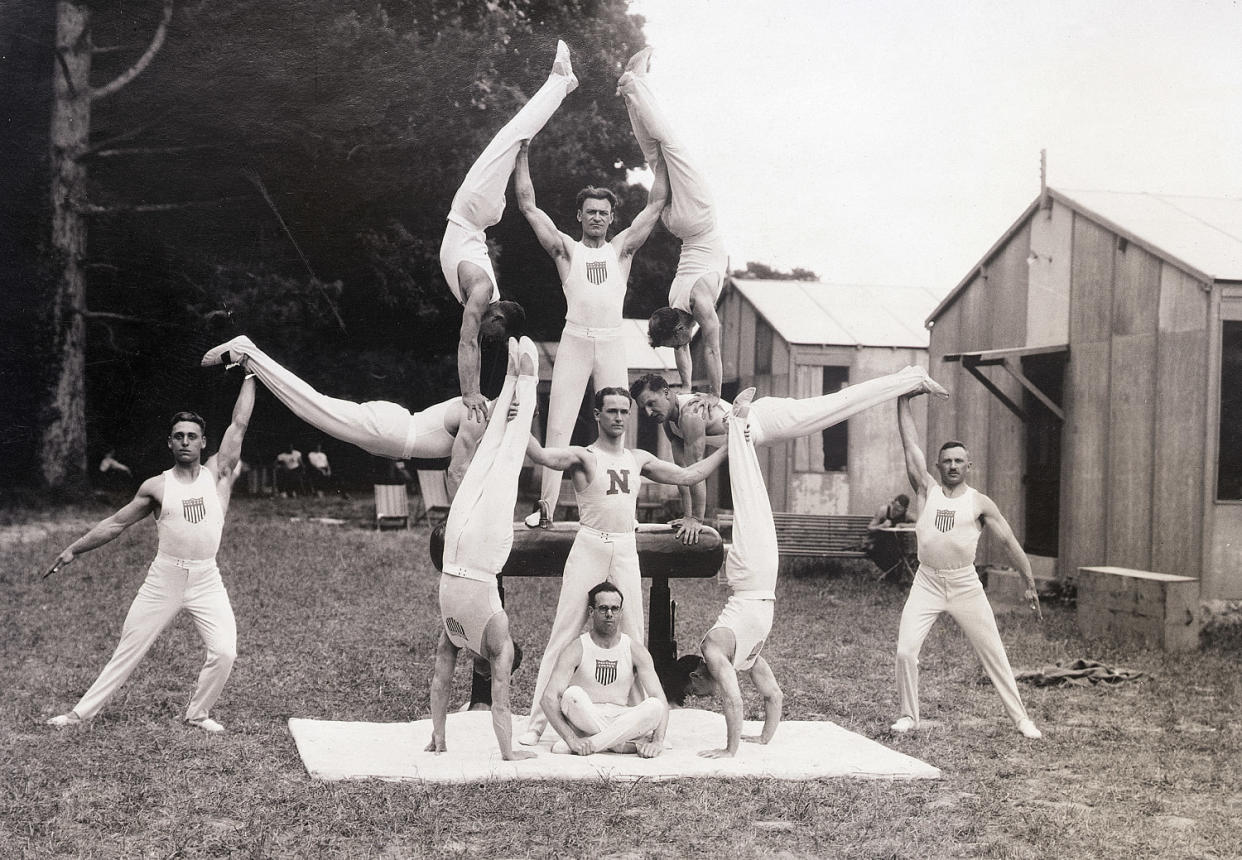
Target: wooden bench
[(821, 535)]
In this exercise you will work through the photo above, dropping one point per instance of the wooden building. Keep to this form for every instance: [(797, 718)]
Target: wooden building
[(801, 339), (1095, 355)]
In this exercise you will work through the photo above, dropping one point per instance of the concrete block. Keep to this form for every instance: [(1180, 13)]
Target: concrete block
[(1155, 610)]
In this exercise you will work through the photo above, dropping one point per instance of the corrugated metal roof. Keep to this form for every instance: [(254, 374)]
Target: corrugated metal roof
[(1204, 233), (640, 355), (809, 312)]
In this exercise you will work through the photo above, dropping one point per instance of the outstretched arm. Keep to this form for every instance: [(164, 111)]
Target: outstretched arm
[(561, 459), (628, 241), (996, 523), (666, 473), (229, 455), (441, 687), (477, 302), (566, 663), (916, 460), (730, 697), (773, 700), (552, 239), (143, 503)]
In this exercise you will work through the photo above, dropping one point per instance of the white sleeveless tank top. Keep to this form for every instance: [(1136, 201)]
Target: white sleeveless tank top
[(191, 519), (594, 287), (609, 502), (948, 529), (605, 674)]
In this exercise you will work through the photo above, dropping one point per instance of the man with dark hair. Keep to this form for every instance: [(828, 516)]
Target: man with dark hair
[(953, 516), (733, 644), (594, 272), (478, 204), (189, 502), (691, 217), (478, 536), (689, 419), (587, 699), (606, 477), (891, 513)]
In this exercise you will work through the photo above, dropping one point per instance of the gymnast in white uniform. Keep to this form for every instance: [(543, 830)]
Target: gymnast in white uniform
[(593, 272), (478, 536)]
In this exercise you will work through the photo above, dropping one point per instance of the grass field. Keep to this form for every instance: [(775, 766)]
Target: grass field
[(339, 622)]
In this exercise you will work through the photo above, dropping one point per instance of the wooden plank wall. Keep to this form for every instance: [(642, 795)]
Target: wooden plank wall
[(1084, 466), (1177, 525)]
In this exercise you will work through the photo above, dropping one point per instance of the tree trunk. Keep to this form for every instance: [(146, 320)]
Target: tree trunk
[(62, 446)]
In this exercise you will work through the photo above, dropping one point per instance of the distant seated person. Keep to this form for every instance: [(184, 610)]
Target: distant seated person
[(894, 513), (587, 699), (113, 473), (320, 471), (289, 471), (885, 550)]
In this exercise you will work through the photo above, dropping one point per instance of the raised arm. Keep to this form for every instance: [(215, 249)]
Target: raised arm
[(566, 663), (144, 502), (996, 523), (629, 240), (468, 350), (644, 671), (553, 240), (227, 458), (916, 461)]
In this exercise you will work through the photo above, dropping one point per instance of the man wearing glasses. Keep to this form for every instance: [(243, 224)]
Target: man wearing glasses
[(587, 698)]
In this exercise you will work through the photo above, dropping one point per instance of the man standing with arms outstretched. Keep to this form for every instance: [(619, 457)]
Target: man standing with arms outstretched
[(606, 477), (189, 502), (691, 217), (594, 272), (588, 699), (478, 536), (478, 204), (953, 516)]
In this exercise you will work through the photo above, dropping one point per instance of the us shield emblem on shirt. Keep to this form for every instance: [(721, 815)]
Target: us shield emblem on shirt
[(944, 520), (605, 671), (597, 271), (193, 510), (454, 626)]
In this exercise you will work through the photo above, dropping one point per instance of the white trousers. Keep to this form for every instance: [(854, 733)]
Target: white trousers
[(579, 358), (780, 419), (592, 560), (169, 588), (377, 427), (609, 725), (691, 213), (959, 593), (480, 201), (753, 556), (478, 534)]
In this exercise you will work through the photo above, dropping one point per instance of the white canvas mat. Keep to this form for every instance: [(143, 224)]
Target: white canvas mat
[(394, 751)]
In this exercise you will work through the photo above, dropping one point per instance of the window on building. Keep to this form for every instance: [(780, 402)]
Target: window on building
[(1229, 455), (763, 347), (837, 437)]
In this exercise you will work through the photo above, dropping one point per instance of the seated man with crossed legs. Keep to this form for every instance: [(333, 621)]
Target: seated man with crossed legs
[(587, 698)]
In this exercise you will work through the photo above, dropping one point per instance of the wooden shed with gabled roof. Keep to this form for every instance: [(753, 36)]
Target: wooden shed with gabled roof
[(1095, 355)]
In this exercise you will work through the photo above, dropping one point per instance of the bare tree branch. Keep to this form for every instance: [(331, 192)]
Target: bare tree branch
[(159, 207), (150, 150), (64, 70), (157, 42), (123, 136), (104, 316), (258, 183)]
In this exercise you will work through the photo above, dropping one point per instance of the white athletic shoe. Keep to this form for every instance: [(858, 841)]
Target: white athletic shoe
[(529, 738), (903, 725), (64, 721), (207, 724), (930, 386), (562, 66), (539, 518), (1029, 731), (230, 353)]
